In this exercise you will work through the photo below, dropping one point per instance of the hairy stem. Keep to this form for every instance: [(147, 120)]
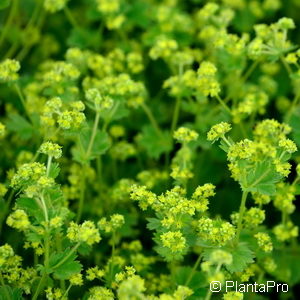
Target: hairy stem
[(7, 296), (241, 215), (93, 136), (209, 292), (67, 257), (224, 105), (12, 14), (81, 196), (195, 267), (151, 118), (40, 286), (49, 161), (71, 18)]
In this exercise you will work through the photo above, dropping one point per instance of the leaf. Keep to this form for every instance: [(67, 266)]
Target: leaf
[(14, 293), (56, 197), (54, 170), (118, 111), (66, 269), (84, 38), (262, 179), (197, 281), (4, 4), (288, 265), (138, 13), (21, 126), (153, 223), (241, 257), (154, 143), (31, 207), (294, 122), (100, 146)]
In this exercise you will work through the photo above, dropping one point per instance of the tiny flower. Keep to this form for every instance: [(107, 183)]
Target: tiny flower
[(264, 241), (2, 130), (54, 5), (9, 70), (186, 135), (51, 149), (84, 233), (19, 220), (173, 240), (76, 279), (218, 131)]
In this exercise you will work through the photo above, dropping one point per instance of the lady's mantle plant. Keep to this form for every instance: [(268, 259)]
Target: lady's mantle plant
[(148, 148)]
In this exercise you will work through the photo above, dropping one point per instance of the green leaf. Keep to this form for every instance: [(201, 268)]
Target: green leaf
[(100, 146), (153, 223), (262, 179), (31, 207), (54, 170), (294, 122), (241, 257), (84, 38), (4, 4), (198, 280), (288, 265), (118, 111), (14, 293), (66, 269), (21, 126), (154, 143)]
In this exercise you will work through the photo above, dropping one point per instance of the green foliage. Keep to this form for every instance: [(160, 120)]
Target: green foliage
[(148, 148)]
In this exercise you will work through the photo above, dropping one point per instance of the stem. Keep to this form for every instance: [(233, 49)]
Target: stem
[(151, 118), (45, 209), (40, 286), (195, 267), (67, 257), (241, 214), (5, 287), (37, 13), (209, 292), (10, 18), (49, 164), (296, 180), (67, 291), (20, 94), (286, 65), (250, 70), (6, 208), (175, 115), (46, 264), (112, 256), (22, 99), (226, 141), (81, 197), (225, 106), (71, 18), (293, 106), (94, 132)]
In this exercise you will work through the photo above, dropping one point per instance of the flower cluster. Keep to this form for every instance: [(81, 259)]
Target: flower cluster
[(207, 81), (84, 233), (185, 135), (51, 149), (116, 221), (264, 241), (54, 5), (217, 232), (218, 131), (9, 70), (71, 118)]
